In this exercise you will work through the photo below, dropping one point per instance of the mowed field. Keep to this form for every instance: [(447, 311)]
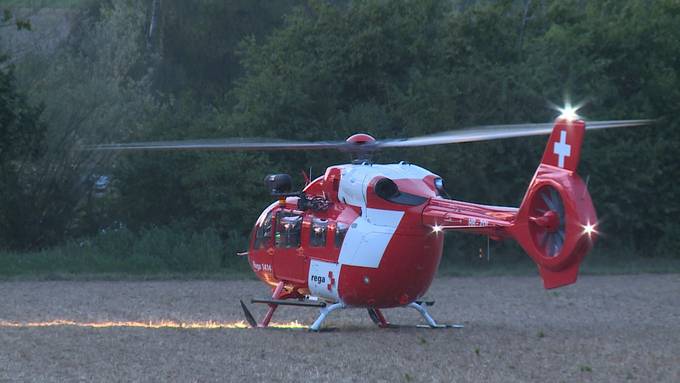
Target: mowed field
[(604, 328)]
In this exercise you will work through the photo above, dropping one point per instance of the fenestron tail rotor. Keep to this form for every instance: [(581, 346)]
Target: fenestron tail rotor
[(551, 238)]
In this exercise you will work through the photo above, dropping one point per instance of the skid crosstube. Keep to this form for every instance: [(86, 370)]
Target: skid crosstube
[(284, 302), (374, 313)]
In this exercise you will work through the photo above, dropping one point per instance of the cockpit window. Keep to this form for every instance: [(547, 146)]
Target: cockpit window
[(288, 230), (340, 233), (263, 234), (317, 236), (439, 186)]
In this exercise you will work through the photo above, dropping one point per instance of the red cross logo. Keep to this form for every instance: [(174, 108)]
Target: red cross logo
[(562, 149), (332, 281)]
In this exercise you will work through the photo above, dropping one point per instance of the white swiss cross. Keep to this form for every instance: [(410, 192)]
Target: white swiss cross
[(562, 149)]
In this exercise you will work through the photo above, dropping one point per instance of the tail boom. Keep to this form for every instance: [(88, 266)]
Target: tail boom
[(444, 214)]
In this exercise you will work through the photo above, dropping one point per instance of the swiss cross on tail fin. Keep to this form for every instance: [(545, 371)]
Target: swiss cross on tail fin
[(564, 146)]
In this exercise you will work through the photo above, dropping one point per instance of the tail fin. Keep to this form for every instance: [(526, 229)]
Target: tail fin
[(555, 223)]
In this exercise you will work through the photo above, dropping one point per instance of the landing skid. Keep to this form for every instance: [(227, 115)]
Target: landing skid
[(379, 319), (249, 317), (425, 326), (423, 312), (375, 314), (324, 313)]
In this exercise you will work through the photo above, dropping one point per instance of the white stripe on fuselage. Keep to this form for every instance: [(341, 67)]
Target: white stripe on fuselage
[(366, 241), (369, 235)]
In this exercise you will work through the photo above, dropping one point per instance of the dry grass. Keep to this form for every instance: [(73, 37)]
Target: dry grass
[(604, 328)]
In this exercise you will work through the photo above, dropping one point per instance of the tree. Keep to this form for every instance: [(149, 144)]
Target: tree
[(194, 64), (22, 137), (18, 23), (95, 89), (197, 41), (408, 68)]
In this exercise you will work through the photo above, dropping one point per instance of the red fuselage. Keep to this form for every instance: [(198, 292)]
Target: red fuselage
[(373, 247)]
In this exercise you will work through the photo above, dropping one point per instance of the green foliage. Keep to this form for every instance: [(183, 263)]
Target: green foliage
[(624, 56), (194, 64), (197, 40), (167, 250), (20, 24), (22, 137), (408, 68), (93, 92), (21, 131), (330, 69), (46, 3)]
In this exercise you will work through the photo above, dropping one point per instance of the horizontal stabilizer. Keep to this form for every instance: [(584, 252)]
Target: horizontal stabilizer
[(555, 279)]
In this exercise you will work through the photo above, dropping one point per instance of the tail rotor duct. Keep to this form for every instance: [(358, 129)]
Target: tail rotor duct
[(548, 217)]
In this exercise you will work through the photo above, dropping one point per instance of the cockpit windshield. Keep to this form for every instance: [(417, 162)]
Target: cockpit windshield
[(288, 229), (263, 234)]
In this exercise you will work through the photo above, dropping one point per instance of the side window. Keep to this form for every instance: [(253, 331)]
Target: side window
[(317, 236), (263, 234), (288, 229), (340, 232)]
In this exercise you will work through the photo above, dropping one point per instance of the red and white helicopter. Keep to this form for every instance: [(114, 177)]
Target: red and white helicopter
[(367, 235)]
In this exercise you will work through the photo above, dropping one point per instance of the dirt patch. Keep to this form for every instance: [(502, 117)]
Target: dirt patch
[(610, 328)]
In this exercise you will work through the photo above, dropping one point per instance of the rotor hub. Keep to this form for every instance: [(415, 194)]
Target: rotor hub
[(360, 139), (548, 216), (550, 220)]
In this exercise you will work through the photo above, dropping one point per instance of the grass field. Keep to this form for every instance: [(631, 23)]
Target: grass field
[(596, 263), (601, 329)]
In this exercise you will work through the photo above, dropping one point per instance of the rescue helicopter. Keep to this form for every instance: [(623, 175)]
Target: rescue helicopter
[(370, 236)]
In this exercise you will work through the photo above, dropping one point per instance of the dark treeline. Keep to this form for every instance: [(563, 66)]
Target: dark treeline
[(317, 70)]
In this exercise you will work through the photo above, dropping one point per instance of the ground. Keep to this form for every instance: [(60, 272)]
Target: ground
[(603, 328)]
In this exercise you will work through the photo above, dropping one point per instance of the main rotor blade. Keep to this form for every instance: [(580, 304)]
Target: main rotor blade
[(479, 133), (229, 144), (495, 132)]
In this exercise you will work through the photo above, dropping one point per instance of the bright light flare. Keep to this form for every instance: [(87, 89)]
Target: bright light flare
[(436, 229), (569, 112), (589, 229), (163, 324)]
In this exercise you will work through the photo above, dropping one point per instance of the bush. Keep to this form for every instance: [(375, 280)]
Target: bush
[(156, 250)]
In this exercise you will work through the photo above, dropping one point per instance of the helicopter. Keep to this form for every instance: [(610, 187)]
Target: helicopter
[(370, 236)]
